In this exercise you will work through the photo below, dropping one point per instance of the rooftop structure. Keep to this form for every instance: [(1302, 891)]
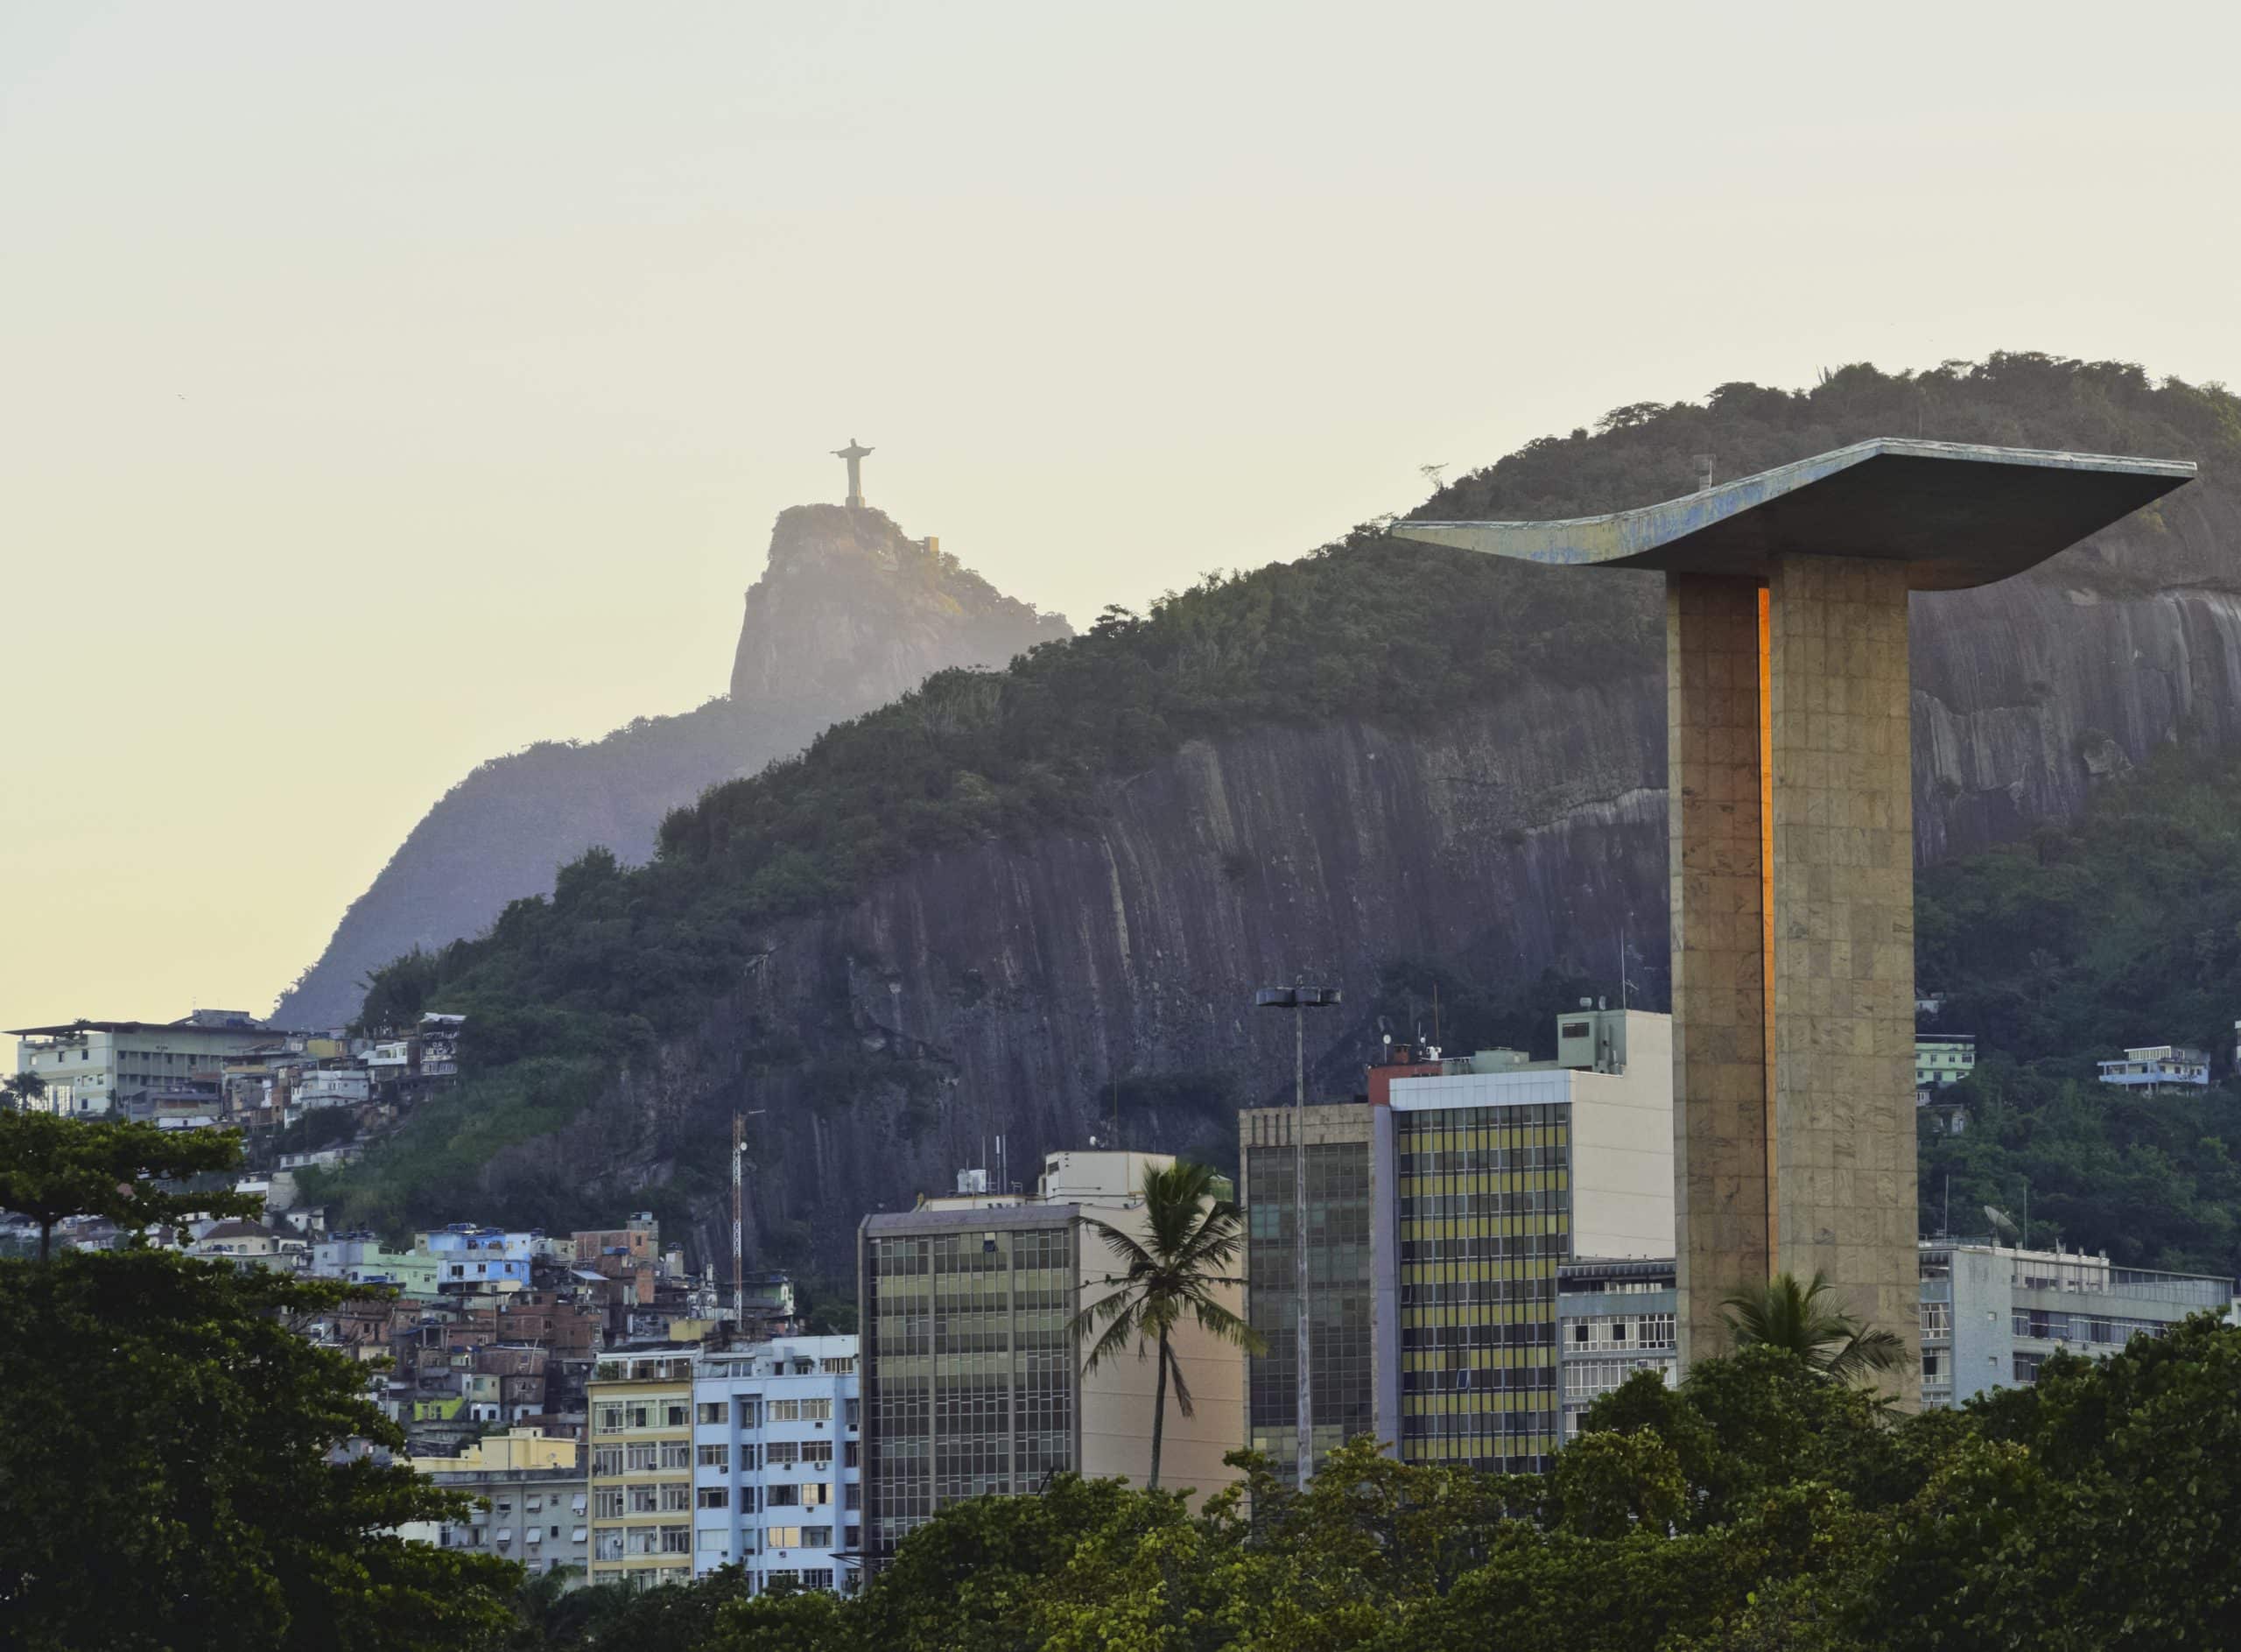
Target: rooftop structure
[(1791, 828), (2154, 1069)]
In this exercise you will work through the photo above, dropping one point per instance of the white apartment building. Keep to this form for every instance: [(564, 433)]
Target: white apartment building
[(1991, 1314), (2151, 1069), (777, 1475), (333, 1087), (90, 1067)]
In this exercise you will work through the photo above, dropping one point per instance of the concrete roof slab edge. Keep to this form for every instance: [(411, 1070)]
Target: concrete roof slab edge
[(1958, 514)]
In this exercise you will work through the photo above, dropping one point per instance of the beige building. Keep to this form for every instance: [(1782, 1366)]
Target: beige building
[(641, 1480), (90, 1067), (530, 1499), (972, 1383)]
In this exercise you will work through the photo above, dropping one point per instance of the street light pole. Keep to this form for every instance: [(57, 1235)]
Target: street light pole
[(1299, 1000)]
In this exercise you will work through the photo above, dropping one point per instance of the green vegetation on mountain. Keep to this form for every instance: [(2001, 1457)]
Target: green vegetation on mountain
[(2120, 928), (566, 992)]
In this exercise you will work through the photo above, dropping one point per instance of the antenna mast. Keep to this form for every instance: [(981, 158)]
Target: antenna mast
[(739, 1223)]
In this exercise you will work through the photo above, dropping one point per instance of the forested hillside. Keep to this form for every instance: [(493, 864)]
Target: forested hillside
[(2122, 927), (676, 990)]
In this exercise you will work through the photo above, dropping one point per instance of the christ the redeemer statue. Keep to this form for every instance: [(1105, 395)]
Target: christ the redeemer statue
[(1792, 824), (854, 455)]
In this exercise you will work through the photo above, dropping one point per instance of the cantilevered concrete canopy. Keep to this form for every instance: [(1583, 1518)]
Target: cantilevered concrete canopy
[(1956, 514), (1791, 822)]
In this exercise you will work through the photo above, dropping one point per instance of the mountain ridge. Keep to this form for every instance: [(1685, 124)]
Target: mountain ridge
[(992, 905), (848, 613)]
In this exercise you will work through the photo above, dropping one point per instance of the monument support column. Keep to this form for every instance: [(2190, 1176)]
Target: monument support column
[(1715, 732), (1792, 866), (1842, 883)]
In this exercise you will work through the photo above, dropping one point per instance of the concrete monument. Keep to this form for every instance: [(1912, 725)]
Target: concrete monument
[(1792, 830)]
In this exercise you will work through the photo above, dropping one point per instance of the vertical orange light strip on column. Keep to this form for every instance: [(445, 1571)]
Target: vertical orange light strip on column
[(1766, 904)]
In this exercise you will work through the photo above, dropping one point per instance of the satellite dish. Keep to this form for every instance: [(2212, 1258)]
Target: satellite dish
[(2001, 1221)]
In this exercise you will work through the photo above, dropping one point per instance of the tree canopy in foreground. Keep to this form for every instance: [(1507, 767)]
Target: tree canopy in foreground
[(1759, 1505), (166, 1479)]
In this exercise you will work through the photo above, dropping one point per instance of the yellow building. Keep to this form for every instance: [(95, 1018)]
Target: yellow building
[(640, 1404)]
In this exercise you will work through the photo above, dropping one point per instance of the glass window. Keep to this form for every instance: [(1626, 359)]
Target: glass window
[(714, 1457), (714, 1411)]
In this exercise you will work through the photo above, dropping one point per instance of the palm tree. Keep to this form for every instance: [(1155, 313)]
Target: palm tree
[(1170, 1268), (21, 1090), (1805, 1321)]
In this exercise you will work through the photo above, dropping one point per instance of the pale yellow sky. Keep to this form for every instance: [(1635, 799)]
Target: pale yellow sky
[(383, 388)]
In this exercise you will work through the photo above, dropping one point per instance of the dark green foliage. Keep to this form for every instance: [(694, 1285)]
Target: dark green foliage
[(1759, 1507), (1367, 627), (137, 1175), (2123, 927), (164, 1483)]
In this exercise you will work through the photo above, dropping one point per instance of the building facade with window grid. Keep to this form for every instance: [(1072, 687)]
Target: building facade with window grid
[(640, 1403), (1440, 1214), (1990, 1314), (777, 1473), (1343, 1343), (969, 1371), (1497, 1172), (972, 1380), (1613, 1318)]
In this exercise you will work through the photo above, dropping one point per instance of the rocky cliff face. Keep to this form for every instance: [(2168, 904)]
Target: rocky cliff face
[(1010, 988), (848, 614)]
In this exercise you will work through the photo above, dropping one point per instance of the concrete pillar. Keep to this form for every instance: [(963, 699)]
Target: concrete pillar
[(1844, 939), (1720, 1116), (1793, 941)]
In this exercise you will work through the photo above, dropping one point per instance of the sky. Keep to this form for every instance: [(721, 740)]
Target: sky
[(385, 388)]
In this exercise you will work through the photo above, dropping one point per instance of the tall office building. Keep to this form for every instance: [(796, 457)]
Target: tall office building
[(972, 1383), (1342, 1359), (1470, 1182)]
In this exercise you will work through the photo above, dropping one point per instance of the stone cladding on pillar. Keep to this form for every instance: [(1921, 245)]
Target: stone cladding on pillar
[(1844, 939), (1720, 1156)]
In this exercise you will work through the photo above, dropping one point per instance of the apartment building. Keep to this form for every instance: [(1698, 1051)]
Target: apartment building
[(1991, 1314), (972, 1383), (2158, 1069), (1442, 1210), (1613, 1318), (777, 1465), (531, 1496), (640, 1402), (89, 1067)]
